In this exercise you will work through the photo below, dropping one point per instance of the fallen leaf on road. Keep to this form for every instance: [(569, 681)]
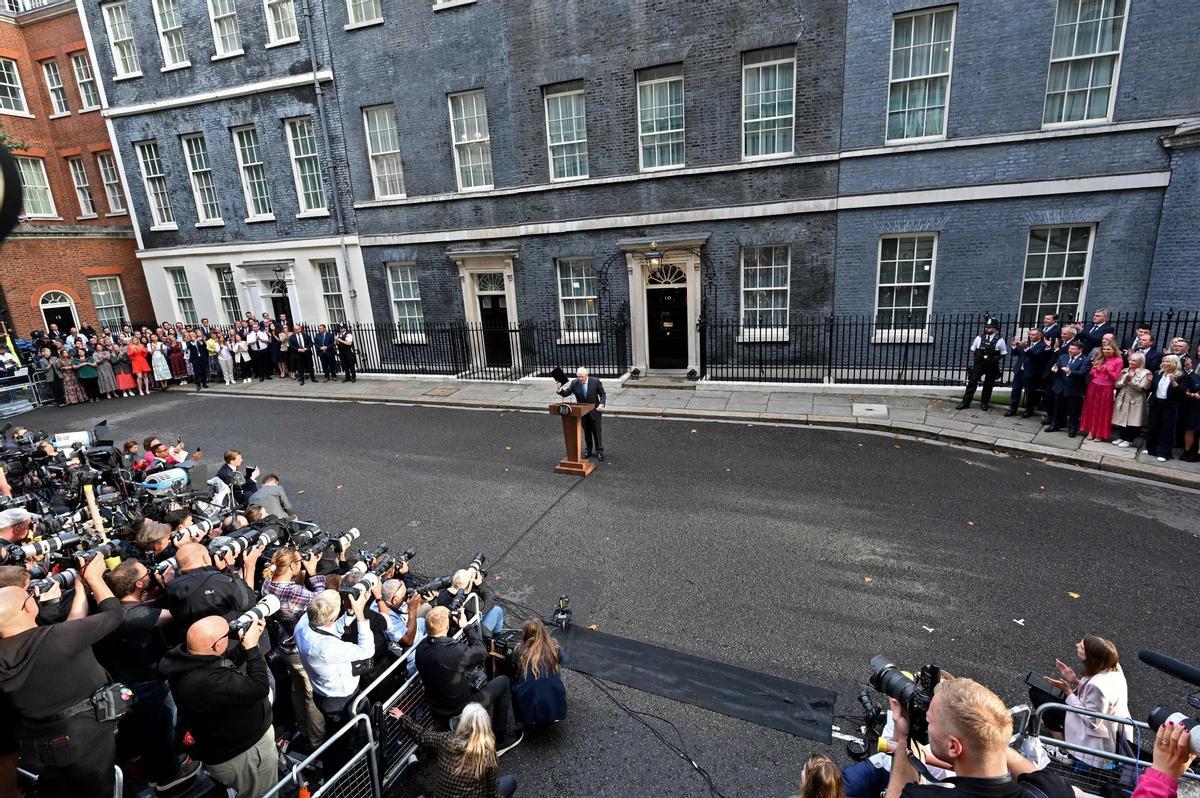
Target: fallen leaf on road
[(1019, 622), (593, 626), (868, 580), (895, 446), (1028, 473), (970, 523), (693, 432), (969, 462), (300, 493), (927, 629), (497, 577), (339, 487), (508, 448), (1072, 594), (1043, 487)]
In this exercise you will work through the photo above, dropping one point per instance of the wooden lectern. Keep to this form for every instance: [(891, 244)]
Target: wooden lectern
[(572, 419)]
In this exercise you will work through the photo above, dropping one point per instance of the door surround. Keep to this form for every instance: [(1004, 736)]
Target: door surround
[(470, 263), (683, 252)]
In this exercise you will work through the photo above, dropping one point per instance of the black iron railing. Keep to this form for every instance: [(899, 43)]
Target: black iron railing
[(857, 349)]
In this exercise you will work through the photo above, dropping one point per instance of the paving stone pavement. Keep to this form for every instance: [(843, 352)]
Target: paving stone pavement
[(927, 417)]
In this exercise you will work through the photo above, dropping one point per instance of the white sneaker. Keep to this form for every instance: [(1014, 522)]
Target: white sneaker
[(1145, 451), (1058, 755), (1123, 444), (1161, 459)]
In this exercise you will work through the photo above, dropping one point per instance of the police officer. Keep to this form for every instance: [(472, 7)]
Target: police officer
[(988, 351)]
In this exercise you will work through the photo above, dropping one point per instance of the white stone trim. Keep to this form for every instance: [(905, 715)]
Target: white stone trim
[(762, 163), (1037, 188), (258, 246), (258, 87), (469, 264), (638, 320)]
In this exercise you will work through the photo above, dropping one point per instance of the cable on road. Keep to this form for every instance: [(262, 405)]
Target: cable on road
[(536, 521)]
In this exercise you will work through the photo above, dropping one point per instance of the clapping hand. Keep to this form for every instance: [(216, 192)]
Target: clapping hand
[(1172, 749), (1068, 673)]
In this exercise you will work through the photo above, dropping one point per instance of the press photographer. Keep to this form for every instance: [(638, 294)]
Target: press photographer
[(201, 590), (968, 727), (295, 582), (65, 703), (224, 702)]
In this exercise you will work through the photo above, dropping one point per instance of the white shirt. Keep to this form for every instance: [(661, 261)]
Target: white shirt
[(258, 340), (1164, 385), (328, 660)]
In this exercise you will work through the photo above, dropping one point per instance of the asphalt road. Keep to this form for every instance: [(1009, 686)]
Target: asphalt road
[(798, 552)]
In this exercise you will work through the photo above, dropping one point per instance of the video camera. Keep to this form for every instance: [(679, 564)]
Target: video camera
[(914, 694), (267, 606), (1163, 714)]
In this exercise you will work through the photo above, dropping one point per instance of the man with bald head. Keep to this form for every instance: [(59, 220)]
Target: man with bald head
[(49, 676), (200, 589), (223, 696)]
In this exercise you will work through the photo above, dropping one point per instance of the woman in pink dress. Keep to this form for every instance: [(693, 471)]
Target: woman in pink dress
[(1098, 405), (141, 367)]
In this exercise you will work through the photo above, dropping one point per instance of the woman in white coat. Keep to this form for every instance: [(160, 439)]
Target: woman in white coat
[(1102, 688)]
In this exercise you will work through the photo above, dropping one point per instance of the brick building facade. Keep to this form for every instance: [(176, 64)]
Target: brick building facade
[(658, 164), (72, 260)]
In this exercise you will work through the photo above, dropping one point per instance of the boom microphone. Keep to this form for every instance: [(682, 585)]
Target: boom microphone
[(1170, 665)]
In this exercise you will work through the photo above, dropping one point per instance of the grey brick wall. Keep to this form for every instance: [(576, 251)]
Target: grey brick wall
[(1175, 280)]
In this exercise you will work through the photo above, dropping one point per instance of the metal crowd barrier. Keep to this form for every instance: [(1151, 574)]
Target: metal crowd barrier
[(1095, 780), (358, 778), (27, 782), (17, 395)]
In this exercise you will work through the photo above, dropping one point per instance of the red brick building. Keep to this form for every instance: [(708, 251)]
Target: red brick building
[(71, 260)]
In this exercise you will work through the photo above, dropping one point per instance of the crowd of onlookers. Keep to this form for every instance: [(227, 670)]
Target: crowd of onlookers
[(86, 365)]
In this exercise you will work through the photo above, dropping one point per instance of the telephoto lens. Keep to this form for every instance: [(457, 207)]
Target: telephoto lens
[(224, 547), (266, 607), (407, 555), (192, 534), (379, 551), (40, 548), (64, 579), (435, 585), (1160, 715), (478, 562), (104, 550), (162, 567), (343, 541), (355, 584)]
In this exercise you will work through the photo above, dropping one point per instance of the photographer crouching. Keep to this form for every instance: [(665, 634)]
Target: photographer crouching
[(967, 726)]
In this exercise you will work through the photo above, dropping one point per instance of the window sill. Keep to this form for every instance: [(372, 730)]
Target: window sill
[(913, 140), (442, 6), (230, 54), (211, 223), (575, 179), (763, 335), (59, 116), (117, 213), (130, 76), (579, 337), (474, 189), (320, 214), (85, 216), (174, 67), (33, 218), (161, 228), (901, 337), (22, 114), (88, 110), (412, 339), (255, 219), (370, 23), (282, 43), (646, 170), (1104, 120), (390, 197), (771, 157)]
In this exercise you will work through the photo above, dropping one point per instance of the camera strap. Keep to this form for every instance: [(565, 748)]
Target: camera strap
[(919, 765)]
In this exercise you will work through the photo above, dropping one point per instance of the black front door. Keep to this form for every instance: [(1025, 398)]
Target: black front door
[(493, 318), (62, 316), (666, 317), (281, 306)]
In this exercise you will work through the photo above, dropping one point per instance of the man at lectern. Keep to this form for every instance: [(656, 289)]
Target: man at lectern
[(586, 390)]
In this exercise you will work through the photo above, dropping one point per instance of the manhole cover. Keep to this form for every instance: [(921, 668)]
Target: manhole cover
[(441, 392), (862, 409)]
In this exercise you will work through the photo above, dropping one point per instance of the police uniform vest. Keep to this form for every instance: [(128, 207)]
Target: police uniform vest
[(985, 353)]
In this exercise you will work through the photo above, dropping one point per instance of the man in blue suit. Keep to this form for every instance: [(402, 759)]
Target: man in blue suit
[(588, 390), (1031, 355), (1070, 385), (327, 351), (1051, 330), (1094, 333)]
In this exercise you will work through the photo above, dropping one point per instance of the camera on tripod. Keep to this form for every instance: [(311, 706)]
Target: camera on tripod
[(913, 693)]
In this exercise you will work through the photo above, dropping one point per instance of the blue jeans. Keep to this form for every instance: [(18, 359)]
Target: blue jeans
[(508, 785), (493, 620)]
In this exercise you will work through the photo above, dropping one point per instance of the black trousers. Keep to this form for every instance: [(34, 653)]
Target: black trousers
[(988, 374), (1022, 385), (1052, 719), (336, 712), (302, 364), (349, 365), (1067, 410), (72, 757), (1160, 429), (258, 358), (496, 698), (328, 364), (592, 441), (200, 372)]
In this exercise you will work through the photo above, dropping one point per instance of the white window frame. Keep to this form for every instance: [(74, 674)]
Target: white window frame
[(357, 7), (763, 334), (215, 18), (200, 174), (1112, 91), (486, 142), (274, 40), (56, 89), (163, 216), (388, 111), (219, 271), (10, 64), (185, 312), (576, 336), (949, 74), (106, 162), (301, 199), (85, 76), (245, 168), (115, 44), (1087, 264), (550, 145), (120, 293), (329, 277), (40, 163), (907, 335), (83, 189), (792, 139), (168, 43), (682, 130), (406, 336)]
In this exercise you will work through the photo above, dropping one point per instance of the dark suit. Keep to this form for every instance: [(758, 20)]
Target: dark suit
[(1093, 334), (1164, 415), (1070, 386), (1027, 375), (241, 485), (592, 394), (302, 362), (197, 353), (1051, 333), (329, 356)]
